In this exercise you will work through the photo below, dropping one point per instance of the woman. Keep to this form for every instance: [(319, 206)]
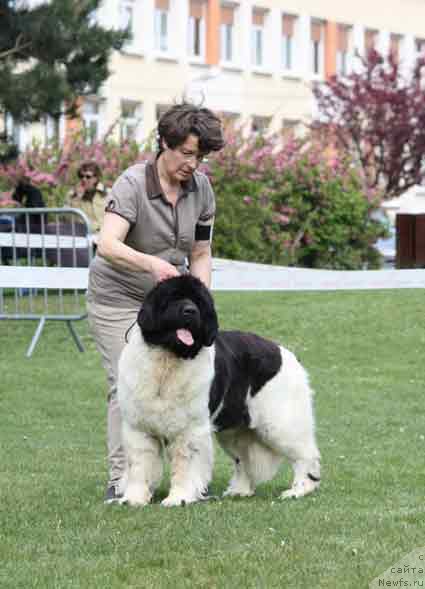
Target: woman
[(89, 195), (158, 220)]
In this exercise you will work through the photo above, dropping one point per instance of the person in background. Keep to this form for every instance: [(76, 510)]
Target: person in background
[(26, 194), (89, 195), (158, 224), (23, 195)]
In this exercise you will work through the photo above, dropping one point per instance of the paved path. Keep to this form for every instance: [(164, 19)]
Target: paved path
[(231, 275)]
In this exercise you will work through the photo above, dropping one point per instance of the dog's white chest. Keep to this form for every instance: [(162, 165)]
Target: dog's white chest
[(160, 393)]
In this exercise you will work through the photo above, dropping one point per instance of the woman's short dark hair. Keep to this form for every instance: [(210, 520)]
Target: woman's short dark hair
[(185, 119), (90, 166)]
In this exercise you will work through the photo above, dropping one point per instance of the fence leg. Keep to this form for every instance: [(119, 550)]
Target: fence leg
[(76, 339), (36, 336)]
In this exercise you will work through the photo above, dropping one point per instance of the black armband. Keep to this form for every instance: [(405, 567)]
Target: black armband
[(202, 232)]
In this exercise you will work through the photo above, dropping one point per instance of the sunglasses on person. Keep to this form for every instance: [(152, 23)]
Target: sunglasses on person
[(86, 176)]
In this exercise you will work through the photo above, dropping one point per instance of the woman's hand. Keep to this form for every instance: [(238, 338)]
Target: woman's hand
[(162, 270)]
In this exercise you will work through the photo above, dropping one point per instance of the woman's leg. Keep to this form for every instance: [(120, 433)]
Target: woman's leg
[(108, 326)]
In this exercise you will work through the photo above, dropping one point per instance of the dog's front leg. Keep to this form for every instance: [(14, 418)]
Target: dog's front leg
[(144, 466), (191, 456)]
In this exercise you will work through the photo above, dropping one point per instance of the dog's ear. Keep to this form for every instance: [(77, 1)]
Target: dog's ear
[(145, 317), (209, 316), (210, 328)]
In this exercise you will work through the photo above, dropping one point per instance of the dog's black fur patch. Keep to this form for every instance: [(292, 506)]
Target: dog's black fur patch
[(244, 362)]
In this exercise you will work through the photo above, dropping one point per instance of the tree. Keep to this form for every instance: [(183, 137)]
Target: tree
[(379, 114), (50, 55)]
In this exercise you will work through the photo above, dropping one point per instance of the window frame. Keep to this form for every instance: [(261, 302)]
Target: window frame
[(200, 33), (134, 45), (88, 118), (159, 15), (257, 35), (135, 121), (317, 51)]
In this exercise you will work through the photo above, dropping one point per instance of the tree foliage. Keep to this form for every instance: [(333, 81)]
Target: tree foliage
[(50, 55), (378, 113)]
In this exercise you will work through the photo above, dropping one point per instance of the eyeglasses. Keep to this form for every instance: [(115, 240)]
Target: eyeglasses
[(189, 157), (86, 176)]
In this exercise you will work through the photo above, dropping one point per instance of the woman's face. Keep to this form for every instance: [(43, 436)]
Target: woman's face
[(182, 161), (88, 180)]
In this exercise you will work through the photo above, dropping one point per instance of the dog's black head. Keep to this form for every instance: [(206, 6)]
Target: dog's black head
[(179, 314)]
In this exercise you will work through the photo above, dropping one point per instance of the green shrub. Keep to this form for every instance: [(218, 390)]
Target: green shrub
[(292, 203)]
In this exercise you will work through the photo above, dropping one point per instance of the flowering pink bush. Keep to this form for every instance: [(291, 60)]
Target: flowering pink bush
[(54, 170), (294, 202), (281, 201)]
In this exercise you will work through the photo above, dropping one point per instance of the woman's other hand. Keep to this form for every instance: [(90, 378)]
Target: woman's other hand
[(162, 270)]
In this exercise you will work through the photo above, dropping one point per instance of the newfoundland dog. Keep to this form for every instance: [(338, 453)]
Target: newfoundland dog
[(181, 379)]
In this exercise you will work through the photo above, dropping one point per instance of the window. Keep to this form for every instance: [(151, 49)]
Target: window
[(317, 52), (127, 15), (288, 34), (161, 25), (290, 126), (343, 47), (227, 31), (91, 119), (14, 132), (197, 28), (258, 20), (129, 18), (370, 40), (131, 116), (260, 124), (52, 129)]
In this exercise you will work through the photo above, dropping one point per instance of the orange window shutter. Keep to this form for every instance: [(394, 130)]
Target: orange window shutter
[(316, 31), (196, 9), (226, 15), (288, 25), (258, 18), (162, 5)]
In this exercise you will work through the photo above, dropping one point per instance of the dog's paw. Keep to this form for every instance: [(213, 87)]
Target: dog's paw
[(300, 489), (134, 502), (291, 494), (136, 499), (231, 492), (178, 500)]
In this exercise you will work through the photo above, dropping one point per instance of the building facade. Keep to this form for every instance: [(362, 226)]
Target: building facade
[(251, 60)]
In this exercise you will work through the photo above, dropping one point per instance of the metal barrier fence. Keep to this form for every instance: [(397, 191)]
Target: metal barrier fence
[(44, 257)]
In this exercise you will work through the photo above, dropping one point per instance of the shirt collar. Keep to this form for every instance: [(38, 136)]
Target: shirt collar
[(153, 185)]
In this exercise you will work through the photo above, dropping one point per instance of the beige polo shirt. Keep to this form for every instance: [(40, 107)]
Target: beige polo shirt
[(156, 228), (93, 207)]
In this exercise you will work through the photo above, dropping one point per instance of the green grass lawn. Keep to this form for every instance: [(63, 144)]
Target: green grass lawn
[(365, 355)]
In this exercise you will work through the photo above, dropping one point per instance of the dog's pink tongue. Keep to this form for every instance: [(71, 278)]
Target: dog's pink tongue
[(185, 336)]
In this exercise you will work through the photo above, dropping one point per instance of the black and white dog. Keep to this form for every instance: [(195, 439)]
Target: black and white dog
[(180, 379)]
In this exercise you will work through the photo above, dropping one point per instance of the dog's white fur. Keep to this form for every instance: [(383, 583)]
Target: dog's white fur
[(281, 426), (165, 398)]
